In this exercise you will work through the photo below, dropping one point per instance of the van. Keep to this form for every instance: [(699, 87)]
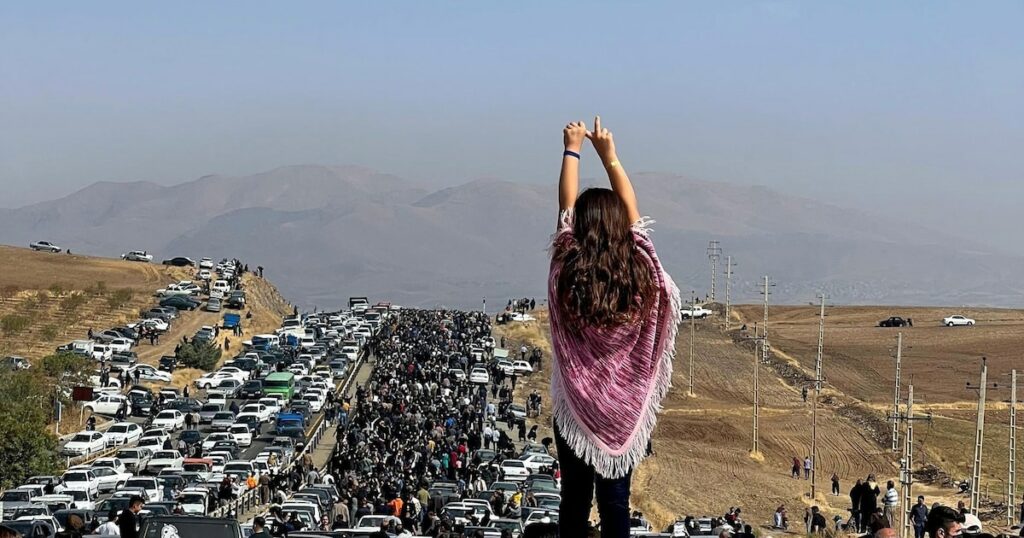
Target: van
[(219, 289)]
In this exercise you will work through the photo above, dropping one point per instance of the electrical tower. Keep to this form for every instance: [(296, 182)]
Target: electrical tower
[(979, 438), (1011, 479), (817, 393), (714, 252), (764, 327), (906, 462), (756, 448), (896, 393), (728, 291), (693, 331)]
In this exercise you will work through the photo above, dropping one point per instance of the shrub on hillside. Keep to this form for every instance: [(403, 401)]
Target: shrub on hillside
[(119, 298), (8, 292), (66, 369), (13, 324), (49, 332), (56, 288), (202, 355), (73, 301), (99, 289)]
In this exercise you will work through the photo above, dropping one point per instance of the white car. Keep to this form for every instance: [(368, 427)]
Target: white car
[(172, 290), (149, 373), (273, 405), (155, 324), (139, 256), (120, 345), (123, 433), (219, 288), (316, 402), (696, 312), (514, 470), (240, 374), (214, 437), (479, 375), (204, 274), (241, 434), (164, 459), (107, 404), (374, 522), (109, 478), (85, 443), (148, 484), (212, 379), (536, 462), (83, 499), (457, 374), (259, 409), (44, 246), (206, 263), (170, 419), (957, 320), (194, 501), (134, 458), (81, 479)]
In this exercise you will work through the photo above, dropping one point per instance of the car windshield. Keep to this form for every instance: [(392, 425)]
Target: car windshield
[(76, 477), (15, 496), (143, 483), (166, 414), (118, 429), (77, 494), (224, 416), (81, 438)]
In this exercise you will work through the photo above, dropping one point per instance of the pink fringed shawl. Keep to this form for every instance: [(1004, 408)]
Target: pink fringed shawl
[(608, 384)]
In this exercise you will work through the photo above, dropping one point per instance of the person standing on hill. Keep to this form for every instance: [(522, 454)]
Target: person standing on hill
[(835, 484), (855, 492), (868, 500), (796, 468), (614, 314), (891, 501)]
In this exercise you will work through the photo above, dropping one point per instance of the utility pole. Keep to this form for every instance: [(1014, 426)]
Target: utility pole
[(714, 252), (896, 392), (907, 461), (1011, 480), (756, 449), (979, 439), (764, 327), (817, 393), (693, 331), (728, 291)]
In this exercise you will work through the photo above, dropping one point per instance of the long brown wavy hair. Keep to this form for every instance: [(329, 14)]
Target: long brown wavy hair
[(602, 282)]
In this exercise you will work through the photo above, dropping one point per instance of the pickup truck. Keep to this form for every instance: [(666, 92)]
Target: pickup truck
[(138, 256), (231, 321), (44, 246), (290, 425), (697, 312)]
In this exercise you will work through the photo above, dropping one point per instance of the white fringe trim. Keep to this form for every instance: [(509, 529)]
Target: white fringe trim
[(576, 436)]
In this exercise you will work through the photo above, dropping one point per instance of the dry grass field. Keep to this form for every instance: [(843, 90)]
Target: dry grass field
[(703, 462)]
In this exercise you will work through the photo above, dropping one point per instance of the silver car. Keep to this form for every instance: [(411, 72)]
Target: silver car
[(213, 305), (222, 421)]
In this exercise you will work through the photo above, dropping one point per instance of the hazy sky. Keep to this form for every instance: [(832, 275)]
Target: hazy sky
[(915, 107)]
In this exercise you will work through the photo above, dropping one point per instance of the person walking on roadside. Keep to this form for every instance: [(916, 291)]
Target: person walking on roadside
[(919, 517), (835, 484), (602, 435)]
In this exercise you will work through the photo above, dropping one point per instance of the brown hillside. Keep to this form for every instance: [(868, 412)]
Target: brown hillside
[(702, 463)]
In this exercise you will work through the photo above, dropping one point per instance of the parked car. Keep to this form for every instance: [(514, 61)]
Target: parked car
[(139, 256), (170, 419), (206, 263), (149, 373), (180, 302), (957, 320), (894, 321), (84, 443), (45, 246), (180, 261), (123, 433), (479, 375), (213, 304), (696, 312)]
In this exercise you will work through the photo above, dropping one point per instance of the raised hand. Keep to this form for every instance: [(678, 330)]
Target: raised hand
[(573, 136), (602, 140)]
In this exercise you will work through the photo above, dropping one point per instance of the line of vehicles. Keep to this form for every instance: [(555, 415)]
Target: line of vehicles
[(249, 417), (955, 320)]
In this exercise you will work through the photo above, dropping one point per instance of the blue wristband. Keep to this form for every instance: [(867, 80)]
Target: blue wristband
[(568, 153)]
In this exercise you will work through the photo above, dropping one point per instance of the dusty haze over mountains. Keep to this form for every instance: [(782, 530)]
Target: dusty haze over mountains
[(324, 233)]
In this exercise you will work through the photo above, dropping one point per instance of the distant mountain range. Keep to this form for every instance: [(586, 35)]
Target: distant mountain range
[(325, 233)]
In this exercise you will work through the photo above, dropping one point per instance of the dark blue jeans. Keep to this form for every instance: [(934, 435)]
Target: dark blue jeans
[(578, 484)]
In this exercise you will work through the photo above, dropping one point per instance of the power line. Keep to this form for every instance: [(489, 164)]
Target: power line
[(979, 437), (817, 394), (896, 393), (768, 284), (1011, 479), (755, 446)]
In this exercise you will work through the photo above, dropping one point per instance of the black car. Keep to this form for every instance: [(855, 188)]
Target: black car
[(185, 405), (35, 528), (180, 302), (168, 363), (142, 403), (254, 423), (191, 437), (236, 299), (894, 321), (251, 390), (180, 261), (211, 527), (301, 407)]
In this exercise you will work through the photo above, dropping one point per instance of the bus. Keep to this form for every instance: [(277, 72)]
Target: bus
[(282, 383)]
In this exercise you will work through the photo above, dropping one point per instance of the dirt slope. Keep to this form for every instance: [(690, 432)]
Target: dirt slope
[(703, 462)]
